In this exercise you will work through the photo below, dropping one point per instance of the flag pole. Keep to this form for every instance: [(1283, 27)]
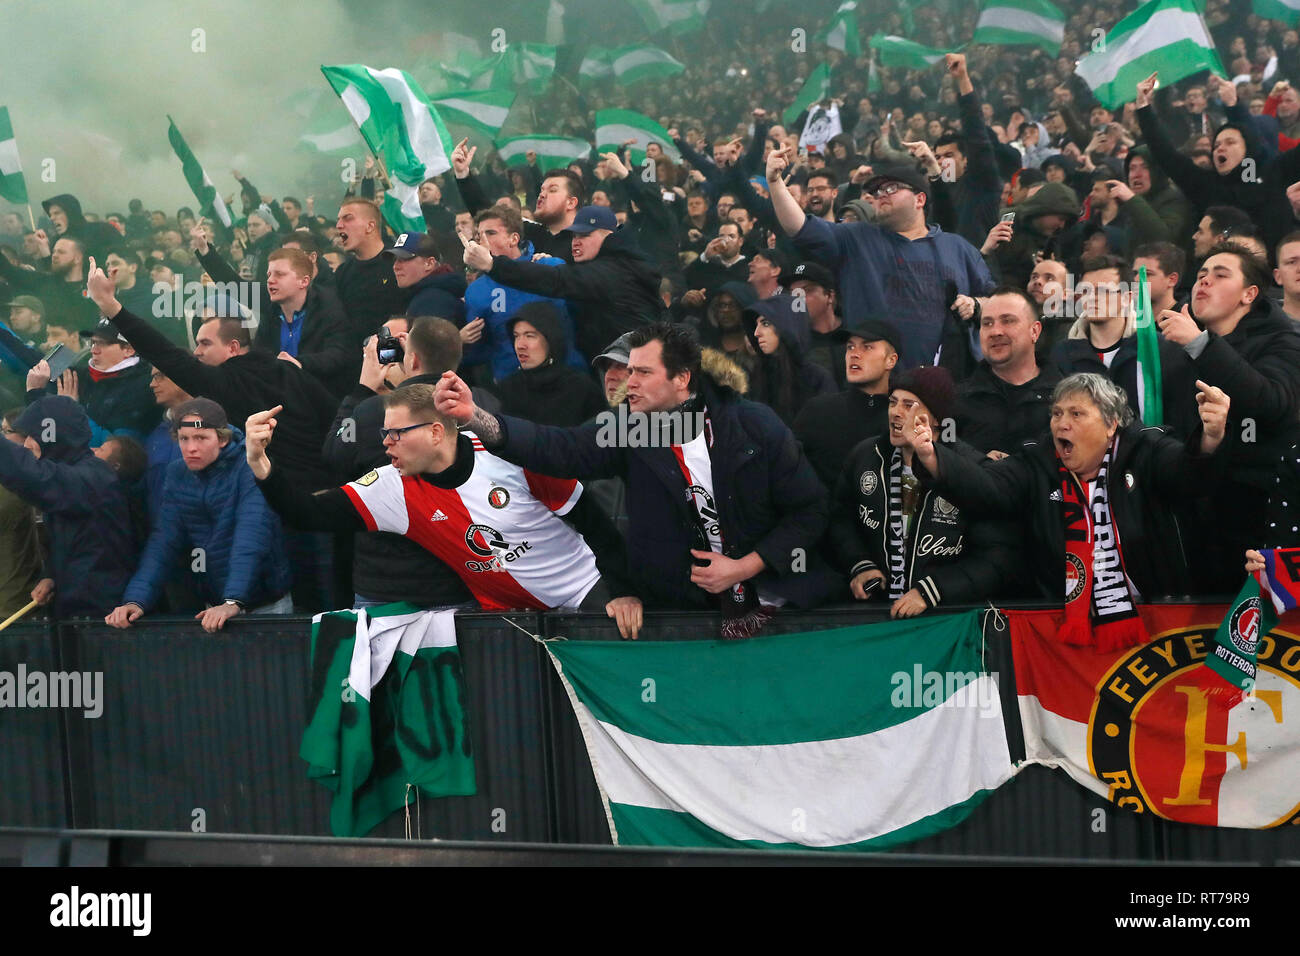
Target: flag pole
[(32, 605), (30, 217)]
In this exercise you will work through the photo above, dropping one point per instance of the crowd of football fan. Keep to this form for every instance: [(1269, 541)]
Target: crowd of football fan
[(905, 367)]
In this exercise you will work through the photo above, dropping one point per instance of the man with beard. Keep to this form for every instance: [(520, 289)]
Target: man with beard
[(365, 281), (821, 193), (558, 201), (60, 288)]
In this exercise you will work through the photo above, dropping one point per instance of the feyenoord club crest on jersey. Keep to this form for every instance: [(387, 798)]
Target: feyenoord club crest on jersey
[(868, 482), (1075, 575), (498, 497)]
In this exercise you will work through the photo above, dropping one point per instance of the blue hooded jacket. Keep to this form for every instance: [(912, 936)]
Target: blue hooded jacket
[(92, 543), (220, 510), (482, 300)]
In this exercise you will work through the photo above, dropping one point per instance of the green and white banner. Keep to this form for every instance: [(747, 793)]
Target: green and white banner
[(553, 152), (816, 88), (595, 65), (897, 52), (387, 712), (633, 64), (842, 32), (1168, 36), (210, 201), (675, 16), (1288, 11), (401, 126), (614, 127), (848, 739), (12, 185), (478, 112), (1037, 23)]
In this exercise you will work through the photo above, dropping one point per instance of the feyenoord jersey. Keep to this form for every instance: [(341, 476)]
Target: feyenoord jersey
[(499, 530)]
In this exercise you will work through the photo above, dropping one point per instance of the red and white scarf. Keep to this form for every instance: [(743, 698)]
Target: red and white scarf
[(1099, 610)]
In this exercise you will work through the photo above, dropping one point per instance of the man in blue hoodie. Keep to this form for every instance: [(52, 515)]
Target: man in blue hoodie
[(490, 306), (212, 506), (898, 266), (92, 544)]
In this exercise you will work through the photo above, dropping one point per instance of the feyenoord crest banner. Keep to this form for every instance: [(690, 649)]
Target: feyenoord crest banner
[(1143, 727)]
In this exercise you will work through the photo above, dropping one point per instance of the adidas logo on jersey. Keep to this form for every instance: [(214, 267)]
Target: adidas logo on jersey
[(438, 516)]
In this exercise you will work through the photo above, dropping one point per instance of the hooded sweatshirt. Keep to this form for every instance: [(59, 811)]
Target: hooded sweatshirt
[(551, 393), (786, 379), (99, 237), (93, 545), (1015, 259)]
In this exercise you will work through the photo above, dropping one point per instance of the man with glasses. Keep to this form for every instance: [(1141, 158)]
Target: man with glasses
[(897, 266), (496, 525)]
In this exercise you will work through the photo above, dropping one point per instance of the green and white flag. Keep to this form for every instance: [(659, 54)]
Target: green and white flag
[(528, 65), (1037, 23), (553, 152), (387, 710), (633, 64), (676, 16), (479, 112), (1151, 402), (12, 185), (615, 126), (402, 128), (885, 733), (816, 88), (898, 52), (1168, 36), (1288, 11), (842, 32), (595, 65), (210, 201), (326, 128)]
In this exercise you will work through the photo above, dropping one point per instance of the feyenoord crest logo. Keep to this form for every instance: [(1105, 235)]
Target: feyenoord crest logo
[(868, 482), (944, 508), (485, 541), (1162, 742), (1075, 575), (1243, 629), (1129, 480), (498, 497)]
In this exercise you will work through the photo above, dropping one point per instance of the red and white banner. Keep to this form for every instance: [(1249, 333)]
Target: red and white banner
[(1138, 726)]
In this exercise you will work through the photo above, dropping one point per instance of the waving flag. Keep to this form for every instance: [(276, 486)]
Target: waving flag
[(553, 152), (12, 185), (401, 127), (1168, 36), (675, 16), (815, 89), (1150, 380), (842, 32), (1021, 23), (613, 127), (897, 52), (479, 112), (633, 64), (210, 201)]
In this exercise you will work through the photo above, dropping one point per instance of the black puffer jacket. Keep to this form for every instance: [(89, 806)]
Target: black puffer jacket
[(613, 293), (949, 557), (995, 416), (1150, 473), (93, 544)]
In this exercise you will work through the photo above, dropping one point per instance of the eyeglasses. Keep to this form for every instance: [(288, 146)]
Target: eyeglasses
[(888, 189), (396, 433)]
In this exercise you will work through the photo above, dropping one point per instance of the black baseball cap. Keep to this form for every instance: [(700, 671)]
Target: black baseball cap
[(412, 244), (813, 272), (873, 330), (107, 331), (911, 178), (203, 411)]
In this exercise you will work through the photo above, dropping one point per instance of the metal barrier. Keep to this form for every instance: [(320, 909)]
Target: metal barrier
[(201, 732)]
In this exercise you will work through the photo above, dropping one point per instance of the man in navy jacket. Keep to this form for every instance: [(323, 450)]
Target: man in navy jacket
[(92, 544), (764, 501)]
